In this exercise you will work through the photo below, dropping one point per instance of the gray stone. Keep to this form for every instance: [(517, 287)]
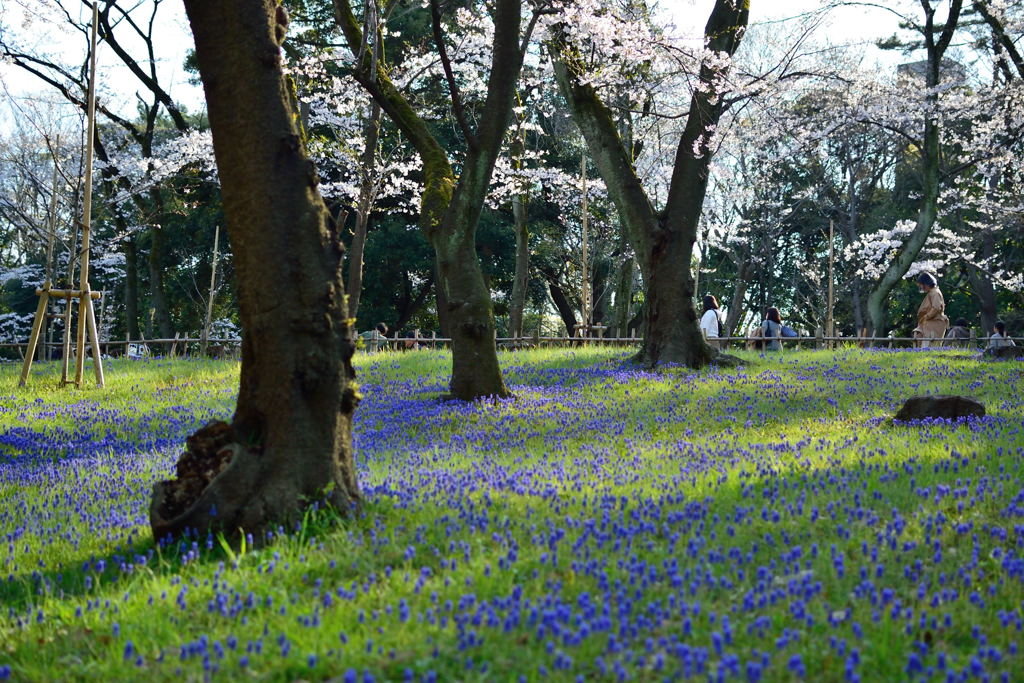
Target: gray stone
[(944, 407)]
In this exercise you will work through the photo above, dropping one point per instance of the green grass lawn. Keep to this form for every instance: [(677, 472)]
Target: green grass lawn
[(763, 523)]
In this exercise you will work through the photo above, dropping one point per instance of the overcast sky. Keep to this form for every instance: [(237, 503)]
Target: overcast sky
[(847, 25)]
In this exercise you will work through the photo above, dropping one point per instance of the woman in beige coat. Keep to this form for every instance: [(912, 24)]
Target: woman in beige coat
[(931, 319)]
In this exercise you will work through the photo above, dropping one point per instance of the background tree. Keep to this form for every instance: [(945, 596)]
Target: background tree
[(451, 204), (663, 240)]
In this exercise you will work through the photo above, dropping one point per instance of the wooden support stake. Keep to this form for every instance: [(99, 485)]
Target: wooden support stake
[(37, 325), (209, 300), (52, 237), (97, 359), (86, 317)]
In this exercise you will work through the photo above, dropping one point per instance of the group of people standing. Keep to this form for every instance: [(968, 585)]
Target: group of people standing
[(771, 332), (932, 323)]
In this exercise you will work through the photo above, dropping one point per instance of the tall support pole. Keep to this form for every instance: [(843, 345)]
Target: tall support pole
[(585, 291), (86, 315), (209, 299), (44, 350), (40, 325), (830, 324)]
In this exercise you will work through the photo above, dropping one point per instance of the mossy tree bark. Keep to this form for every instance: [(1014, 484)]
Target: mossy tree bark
[(451, 205), (663, 240), (289, 442)]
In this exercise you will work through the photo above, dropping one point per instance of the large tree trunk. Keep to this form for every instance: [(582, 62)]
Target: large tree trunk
[(475, 369), (371, 133), (517, 304), (857, 302), (672, 334), (443, 319), (289, 442)]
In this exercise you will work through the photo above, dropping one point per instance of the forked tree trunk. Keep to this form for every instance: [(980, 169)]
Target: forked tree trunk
[(663, 241), (289, 442), (517, 304), (450, 205)]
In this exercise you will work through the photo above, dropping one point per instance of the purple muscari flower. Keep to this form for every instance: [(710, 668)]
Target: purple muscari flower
[(796, 665)]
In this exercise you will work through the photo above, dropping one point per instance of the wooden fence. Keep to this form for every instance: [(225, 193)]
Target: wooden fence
[(189, 346)]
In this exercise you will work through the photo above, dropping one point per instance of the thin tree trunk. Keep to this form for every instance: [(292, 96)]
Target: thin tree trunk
[(131, 288), (517, 304), (565, 309), (371, 133), (623, 292), (599, 291), (739, 294), (158, 293), (981, 283), (289, 442)]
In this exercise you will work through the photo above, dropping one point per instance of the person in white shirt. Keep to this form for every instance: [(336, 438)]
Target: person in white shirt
[(711, 321), (999, 338)]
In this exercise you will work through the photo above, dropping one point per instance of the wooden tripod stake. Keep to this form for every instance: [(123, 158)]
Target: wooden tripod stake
[(85, 296)]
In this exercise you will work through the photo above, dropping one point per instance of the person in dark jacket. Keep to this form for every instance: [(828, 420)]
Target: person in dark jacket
[(771, 330), (959, 335)]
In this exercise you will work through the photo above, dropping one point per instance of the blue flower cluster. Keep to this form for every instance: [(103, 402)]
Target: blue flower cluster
[(758, 524)]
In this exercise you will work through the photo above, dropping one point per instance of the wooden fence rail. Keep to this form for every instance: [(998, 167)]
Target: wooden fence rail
[(179, 345)]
